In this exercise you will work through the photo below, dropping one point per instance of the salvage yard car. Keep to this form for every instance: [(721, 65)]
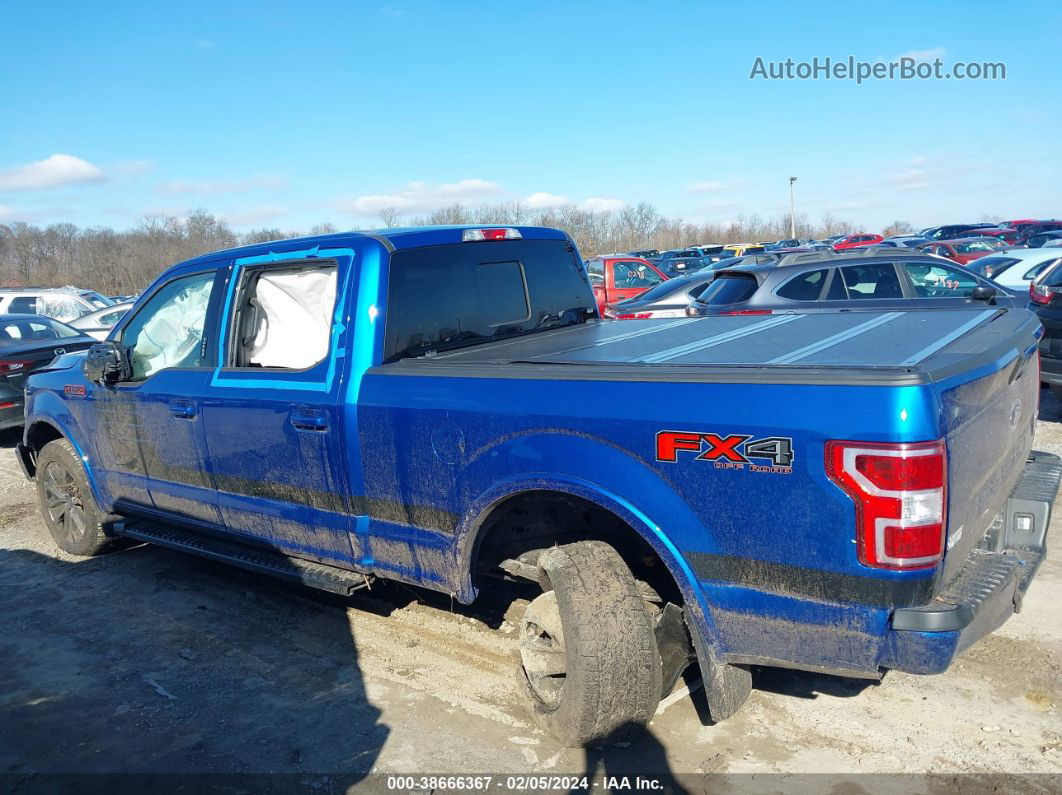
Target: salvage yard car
[(620, 277), (892, 279), (839, 492)]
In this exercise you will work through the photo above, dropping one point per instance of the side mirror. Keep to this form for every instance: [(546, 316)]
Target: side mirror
[(107, 363), (984, 293)]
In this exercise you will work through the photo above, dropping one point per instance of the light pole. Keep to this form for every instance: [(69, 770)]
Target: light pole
[(792, 209)]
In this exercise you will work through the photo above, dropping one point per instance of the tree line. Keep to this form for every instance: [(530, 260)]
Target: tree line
[(125, 262)]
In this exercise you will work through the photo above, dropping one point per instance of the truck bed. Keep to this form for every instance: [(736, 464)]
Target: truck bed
[(855, 347)]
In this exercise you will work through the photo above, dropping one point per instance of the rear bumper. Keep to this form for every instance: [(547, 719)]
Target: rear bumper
[(13, 415), (990, 586)]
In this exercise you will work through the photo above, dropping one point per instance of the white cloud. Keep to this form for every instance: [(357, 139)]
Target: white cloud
[(52, 172), (419, 197), (253, 216), (924, 55), (181, 186), (596, 204), (543, 200), (6, 213)]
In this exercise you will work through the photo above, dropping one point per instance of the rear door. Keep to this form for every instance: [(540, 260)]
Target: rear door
[(272, 409)]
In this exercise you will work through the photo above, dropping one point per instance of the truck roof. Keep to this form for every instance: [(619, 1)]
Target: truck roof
[(853, 347), (396, 239)]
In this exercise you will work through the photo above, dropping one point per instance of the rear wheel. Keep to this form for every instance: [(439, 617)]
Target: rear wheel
[(71, 515), (589, 662)]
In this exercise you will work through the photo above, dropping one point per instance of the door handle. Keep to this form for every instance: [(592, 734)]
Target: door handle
[(183, 409), (304, 418)]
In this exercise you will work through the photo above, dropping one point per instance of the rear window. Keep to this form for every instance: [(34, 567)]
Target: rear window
[(450, 296), (991, 266), (730, 288)]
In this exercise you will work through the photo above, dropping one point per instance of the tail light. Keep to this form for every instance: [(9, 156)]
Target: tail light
[(9, 367), (1041, 293), (638, 316), (900, 495), (472, 235)]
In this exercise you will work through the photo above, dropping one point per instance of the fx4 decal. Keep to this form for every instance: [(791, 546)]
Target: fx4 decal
[(734, 451)]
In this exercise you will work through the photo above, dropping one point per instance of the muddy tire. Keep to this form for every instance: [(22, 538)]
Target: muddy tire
[(589, 662), (70, 512)]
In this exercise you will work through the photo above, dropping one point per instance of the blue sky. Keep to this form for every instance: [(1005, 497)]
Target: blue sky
[(289, 114)]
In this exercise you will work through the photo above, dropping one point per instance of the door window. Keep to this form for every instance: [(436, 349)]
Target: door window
[(167, 331), (635, 274), (805, 287), (871, 281), (939, 281), (23, 305), (284, 317)]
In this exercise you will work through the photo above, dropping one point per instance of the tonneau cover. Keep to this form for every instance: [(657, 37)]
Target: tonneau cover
[(854, 347)]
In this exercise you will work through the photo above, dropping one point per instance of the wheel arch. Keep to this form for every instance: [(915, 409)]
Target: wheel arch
[(474, 529)]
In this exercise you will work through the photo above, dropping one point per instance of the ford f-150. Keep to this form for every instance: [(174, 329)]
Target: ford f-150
[(846, 492)]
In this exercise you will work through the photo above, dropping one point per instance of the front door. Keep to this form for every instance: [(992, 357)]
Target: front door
[(272, 410), (169, 339)]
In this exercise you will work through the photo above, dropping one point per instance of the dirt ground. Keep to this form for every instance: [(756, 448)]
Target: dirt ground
[(148, 661)]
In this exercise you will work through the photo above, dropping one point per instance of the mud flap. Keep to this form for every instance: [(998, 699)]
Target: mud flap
[(673, 641), (726, 686)]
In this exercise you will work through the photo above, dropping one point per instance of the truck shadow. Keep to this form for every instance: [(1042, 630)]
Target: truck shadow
[(149, 662)]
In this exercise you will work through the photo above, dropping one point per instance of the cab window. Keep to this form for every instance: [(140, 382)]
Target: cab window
[(167, 331)]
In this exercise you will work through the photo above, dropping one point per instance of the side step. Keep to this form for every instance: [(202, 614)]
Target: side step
[(305, 572)]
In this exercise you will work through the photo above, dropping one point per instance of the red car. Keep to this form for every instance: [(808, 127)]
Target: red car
[(1007, 235), (617, 279), (963, 250), (857, 241)]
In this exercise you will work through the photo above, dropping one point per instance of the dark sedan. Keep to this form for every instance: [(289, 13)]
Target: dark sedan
[(848, 282), (27, 343)]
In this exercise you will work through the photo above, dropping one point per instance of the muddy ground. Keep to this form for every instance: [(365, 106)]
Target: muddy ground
[(147, 661)]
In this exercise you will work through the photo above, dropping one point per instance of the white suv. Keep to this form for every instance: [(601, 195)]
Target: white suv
[(61, 303)]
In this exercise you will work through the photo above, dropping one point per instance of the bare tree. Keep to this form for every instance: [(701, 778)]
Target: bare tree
[(390, 217)]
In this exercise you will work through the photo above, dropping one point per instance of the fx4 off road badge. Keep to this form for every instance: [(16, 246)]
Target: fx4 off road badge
[(736, 451)]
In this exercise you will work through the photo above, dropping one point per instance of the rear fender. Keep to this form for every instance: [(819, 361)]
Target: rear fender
[(620, 466)]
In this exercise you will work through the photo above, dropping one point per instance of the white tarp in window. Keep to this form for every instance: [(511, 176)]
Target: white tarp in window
[(295, 317)]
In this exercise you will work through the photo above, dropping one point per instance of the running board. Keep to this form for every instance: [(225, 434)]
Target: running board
[(316, 575)]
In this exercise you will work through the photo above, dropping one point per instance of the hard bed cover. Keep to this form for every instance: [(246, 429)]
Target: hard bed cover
[(901, 341)]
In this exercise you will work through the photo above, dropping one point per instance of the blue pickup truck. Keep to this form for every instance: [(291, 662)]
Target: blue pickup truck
[(843, 492)]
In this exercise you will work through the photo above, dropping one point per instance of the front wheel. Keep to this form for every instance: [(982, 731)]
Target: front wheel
[(71, 515), (589, 662)]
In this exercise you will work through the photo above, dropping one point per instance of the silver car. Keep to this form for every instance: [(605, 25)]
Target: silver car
[(98, 324)]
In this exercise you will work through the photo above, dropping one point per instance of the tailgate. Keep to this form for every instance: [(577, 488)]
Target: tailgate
[(989, 424)]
